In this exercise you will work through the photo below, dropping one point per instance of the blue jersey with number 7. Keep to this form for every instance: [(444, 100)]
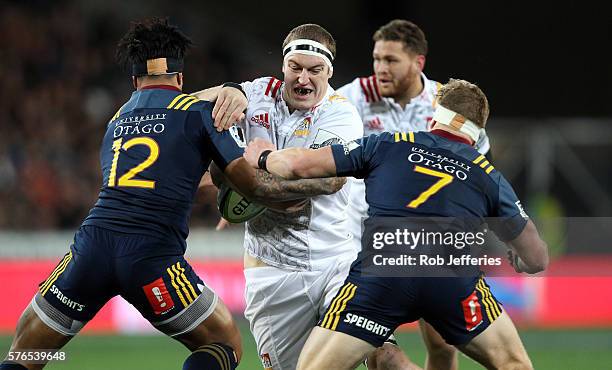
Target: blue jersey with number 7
[(429, 174), (154, 153)]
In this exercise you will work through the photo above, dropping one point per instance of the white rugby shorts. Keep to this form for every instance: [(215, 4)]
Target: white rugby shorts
[(283, 306)]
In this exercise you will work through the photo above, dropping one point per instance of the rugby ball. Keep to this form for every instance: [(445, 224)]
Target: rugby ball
[(235, 208)]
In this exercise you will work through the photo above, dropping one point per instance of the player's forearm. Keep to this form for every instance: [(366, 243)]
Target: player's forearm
[(283, 163), (535, 260), (216, 175), (531, 250), (256, 185), (301, 163), (274, 188), (209, 94)]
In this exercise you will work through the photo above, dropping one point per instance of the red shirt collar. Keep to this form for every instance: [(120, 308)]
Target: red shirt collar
[(450, 136), (165, 87)]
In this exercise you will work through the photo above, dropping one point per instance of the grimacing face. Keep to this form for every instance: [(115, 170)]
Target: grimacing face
[(396, 68), (306, 79)]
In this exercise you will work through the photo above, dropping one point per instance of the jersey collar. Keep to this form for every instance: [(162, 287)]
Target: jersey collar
[(164, 87), (451, 137)]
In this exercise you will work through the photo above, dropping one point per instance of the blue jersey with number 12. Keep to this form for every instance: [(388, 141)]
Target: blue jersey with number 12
[(154, 153)]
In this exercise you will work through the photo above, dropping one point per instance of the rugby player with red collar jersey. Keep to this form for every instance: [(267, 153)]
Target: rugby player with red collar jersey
[(399, 98)]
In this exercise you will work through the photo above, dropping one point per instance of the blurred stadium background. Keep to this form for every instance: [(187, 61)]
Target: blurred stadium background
[(544, 66)]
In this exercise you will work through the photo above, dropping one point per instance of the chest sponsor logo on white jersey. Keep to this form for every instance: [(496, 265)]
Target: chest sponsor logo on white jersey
[(369, 325), (325, 138)]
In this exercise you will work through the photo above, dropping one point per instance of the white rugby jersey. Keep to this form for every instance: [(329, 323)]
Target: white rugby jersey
[(381, 114), (317, 235)]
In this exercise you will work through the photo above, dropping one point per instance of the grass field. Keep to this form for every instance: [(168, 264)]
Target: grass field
[(554, 350)]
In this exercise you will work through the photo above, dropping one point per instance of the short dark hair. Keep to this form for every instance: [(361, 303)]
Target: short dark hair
[(405, 31), (150, 39), (466, 99), (313, 32)]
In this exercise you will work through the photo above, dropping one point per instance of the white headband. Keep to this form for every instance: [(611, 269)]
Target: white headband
[(455, 120), (308, 47)]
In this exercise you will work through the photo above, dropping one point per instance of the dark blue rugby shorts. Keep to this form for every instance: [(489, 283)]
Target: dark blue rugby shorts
[(371, 308), (148, 272)]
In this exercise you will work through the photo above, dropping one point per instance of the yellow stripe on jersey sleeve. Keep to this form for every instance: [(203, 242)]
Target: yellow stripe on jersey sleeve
[(175, 100), (190, 104), (184, 101)]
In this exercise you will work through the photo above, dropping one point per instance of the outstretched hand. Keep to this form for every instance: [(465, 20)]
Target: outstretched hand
[(229, 108), (254, 150)]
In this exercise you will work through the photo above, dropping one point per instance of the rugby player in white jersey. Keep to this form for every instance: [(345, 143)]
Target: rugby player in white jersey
[(398, 98), (295, 262)]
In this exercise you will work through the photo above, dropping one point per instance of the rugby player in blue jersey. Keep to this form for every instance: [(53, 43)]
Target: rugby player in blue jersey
[(423, 174), (154, 152)]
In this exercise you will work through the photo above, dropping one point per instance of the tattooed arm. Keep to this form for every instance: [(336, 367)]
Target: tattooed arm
[(276, 188), (273, 189)]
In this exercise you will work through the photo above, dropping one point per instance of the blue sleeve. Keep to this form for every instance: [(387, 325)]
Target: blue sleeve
[(510, 216), (223, 147), (355, 158)]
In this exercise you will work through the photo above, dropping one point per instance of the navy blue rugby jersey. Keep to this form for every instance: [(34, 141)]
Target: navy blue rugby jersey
[(154, 153), (427, 174)]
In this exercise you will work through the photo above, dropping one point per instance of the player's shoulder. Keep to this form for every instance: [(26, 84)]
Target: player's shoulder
[(431, 89), (481, 165), (268, 86), (159, 101), (337, 100), (186, 102), (365, 88), (337, 105)]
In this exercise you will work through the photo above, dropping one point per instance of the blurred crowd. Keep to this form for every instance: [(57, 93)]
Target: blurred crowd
[(60, 86)]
